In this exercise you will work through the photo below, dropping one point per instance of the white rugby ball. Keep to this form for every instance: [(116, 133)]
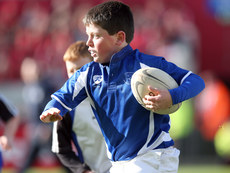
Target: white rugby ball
[(155, 78)]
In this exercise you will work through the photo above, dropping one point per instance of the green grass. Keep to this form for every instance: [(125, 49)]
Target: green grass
[(212, 168)]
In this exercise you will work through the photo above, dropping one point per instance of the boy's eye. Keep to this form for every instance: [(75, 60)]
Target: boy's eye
[(96, 36)]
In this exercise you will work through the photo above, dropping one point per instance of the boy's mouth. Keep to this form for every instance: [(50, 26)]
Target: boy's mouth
[(93, 53)]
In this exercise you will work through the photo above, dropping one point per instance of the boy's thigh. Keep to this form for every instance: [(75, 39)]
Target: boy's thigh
[(154, 161)]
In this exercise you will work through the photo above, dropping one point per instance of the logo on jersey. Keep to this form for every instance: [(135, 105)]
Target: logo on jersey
[(128, 76), (97, 79)]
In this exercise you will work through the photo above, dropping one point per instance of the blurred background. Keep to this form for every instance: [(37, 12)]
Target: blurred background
[(195, 35)]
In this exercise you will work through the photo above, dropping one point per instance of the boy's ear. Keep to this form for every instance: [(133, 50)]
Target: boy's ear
[(121, 38)]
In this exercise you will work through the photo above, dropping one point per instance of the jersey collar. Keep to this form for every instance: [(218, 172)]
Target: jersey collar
[(121, 54)]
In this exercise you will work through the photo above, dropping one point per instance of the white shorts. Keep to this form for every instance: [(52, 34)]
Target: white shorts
[(154, 161)]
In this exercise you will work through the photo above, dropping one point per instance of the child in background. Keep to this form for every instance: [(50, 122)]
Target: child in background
[(137, 139), (79, 126), (10, 116)]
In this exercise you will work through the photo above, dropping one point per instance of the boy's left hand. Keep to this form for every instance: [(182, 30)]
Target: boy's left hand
[(50, 115), (157, 99)]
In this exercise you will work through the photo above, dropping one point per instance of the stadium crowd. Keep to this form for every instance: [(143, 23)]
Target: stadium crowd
[(43, 29)]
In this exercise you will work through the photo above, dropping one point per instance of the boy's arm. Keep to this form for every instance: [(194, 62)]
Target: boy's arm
[(52, 112), (9, 132), (10, 116), (66, 98), (62, 145), (190, 87), (71, 161)]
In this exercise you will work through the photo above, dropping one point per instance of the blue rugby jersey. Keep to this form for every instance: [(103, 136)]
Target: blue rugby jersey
[(128, 128)]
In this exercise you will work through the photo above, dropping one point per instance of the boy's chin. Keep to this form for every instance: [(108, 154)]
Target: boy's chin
[(95, 59), (98, 60)]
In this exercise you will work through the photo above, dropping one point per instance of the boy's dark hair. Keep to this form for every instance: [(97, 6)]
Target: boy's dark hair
[(113, 16)]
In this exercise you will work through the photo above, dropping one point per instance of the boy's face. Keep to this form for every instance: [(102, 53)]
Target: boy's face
[(73, 66), (101, 45)]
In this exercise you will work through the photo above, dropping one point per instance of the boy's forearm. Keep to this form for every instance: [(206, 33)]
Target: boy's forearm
[(190, 87), (55, 104), (71, 161), (11, 127)]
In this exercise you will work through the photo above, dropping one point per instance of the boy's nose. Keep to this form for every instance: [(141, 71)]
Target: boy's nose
[(89, 43)]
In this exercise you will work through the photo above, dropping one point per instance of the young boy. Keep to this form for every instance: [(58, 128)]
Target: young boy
[(80, 126), (137, 139)]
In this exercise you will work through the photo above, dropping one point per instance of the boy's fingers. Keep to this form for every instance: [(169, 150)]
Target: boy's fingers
[(55, 118), (55, 110), (153, 91), (51, 115), (44, 118), (50, 118), (147, 101), (52, 111)]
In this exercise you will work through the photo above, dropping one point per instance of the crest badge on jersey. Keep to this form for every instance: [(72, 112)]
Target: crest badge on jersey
[(97, 79), (128, 76)]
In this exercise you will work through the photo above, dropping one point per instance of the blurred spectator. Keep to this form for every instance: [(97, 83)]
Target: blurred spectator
[(147, 22), (44, 29), (10, 116), (179, 38), (212, 106), (167, 29), (36, 92)]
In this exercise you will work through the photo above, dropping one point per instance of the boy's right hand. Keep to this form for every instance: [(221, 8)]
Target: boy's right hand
[(51, 115)]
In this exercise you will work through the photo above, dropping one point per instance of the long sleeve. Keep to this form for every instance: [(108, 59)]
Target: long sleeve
[(62, 146), (71, 161), (190, 87)]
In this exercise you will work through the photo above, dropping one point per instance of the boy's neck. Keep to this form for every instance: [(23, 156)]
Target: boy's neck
[(118, 50), (124, 44)]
